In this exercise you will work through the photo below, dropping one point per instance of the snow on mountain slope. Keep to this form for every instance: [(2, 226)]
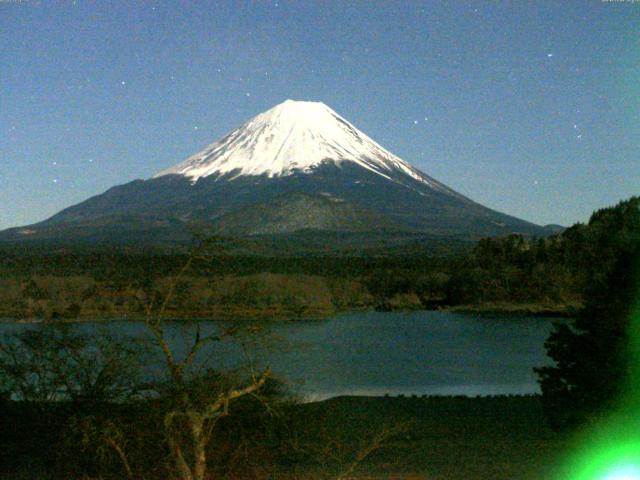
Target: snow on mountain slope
[(295, 136)]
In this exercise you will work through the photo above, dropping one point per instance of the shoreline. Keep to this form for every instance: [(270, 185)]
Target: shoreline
[(526, 309), (276, 315)]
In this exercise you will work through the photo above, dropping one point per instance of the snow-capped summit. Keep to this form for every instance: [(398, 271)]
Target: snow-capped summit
[(294, 136)]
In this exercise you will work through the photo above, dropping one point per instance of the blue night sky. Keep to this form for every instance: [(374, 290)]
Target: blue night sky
[(531, 108)]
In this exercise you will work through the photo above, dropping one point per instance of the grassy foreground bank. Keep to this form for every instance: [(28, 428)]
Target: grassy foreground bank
[(441, 438)]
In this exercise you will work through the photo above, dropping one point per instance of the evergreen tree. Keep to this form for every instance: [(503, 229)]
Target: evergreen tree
[(591, 354)]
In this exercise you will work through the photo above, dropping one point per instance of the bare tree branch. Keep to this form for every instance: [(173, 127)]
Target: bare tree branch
[(223, 399)]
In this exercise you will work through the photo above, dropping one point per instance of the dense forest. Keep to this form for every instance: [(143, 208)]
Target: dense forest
[(513, 273)]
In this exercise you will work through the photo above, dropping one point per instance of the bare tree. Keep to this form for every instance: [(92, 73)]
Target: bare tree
[(58, 363), (379, 440), (339, 456), (196, 403), (55, 363), (105, 437)]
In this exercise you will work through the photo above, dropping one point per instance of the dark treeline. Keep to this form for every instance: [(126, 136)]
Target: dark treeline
[(117, 264), (596, 354), (555, 271), (511, 273)]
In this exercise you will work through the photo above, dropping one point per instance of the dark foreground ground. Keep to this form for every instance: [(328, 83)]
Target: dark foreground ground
[(451, 437), (358, 437)]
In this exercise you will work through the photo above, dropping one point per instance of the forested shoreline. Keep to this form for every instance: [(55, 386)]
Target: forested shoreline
[(511, 274), (412, 284)]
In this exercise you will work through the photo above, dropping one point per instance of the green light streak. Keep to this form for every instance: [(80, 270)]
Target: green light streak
[(624, 473), (614, 448)]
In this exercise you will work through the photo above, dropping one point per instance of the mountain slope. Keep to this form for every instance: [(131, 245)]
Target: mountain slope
[(294, 212)]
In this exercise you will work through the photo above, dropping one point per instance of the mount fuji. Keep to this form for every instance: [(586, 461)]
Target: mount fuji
[(298, 167)]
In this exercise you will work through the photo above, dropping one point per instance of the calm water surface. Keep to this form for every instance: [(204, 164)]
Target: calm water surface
[(375, 353)]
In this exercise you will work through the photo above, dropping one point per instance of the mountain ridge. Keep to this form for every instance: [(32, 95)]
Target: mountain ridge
[(276, 155)]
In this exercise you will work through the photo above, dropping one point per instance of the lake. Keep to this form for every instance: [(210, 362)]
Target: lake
[(375, 353)]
